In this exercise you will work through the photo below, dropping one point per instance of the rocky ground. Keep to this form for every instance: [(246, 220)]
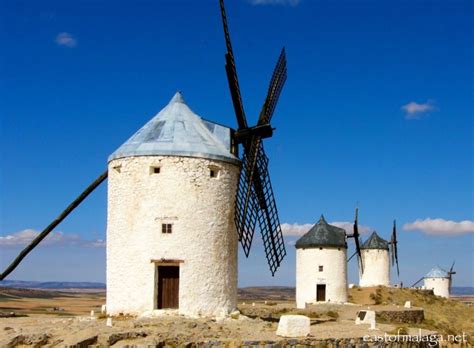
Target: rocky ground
[(172, 330), (65, 320)]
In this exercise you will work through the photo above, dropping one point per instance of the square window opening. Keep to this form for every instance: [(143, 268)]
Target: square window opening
[(214, 172), (155, 170), (166, 228)]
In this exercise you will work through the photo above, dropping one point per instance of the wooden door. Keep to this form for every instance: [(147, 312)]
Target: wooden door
[(321, 292), (168, 287)]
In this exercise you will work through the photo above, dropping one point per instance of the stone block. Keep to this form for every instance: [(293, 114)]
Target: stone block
[(365, 317), (293, 326)]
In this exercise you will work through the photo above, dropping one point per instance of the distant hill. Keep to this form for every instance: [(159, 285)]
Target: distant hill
[(50, 285), (462, 290), (276, 293), (253, 292)]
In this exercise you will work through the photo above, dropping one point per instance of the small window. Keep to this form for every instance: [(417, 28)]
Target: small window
[(214, 172), (155, 170), (320, 268), (166, 228), (118, 168)]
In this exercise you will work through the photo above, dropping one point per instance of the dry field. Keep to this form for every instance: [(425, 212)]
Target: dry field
[(56, 303), (56, 318)]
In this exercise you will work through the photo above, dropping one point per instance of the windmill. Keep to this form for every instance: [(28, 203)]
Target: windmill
[(393, 247), (449, 273), (374, 256), (355, 235), (438, 280), (255, 201)]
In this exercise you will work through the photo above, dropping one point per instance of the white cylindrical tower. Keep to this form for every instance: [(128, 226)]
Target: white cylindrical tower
[(321, 265), (171, 239), (438, 280), (375, 262)]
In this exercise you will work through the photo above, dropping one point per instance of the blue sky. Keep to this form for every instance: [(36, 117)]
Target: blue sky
[(377, 111)]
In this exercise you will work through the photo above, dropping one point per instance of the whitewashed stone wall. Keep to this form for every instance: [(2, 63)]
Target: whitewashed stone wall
[(376, 264), (201, 210), (440, 286), (334, 274)]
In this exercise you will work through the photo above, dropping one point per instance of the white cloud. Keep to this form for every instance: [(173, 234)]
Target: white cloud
[(275, 2), (295, 229), (300, 229), (414, 110), (22, 238), (349, 227), (440, 227), (66, 39)]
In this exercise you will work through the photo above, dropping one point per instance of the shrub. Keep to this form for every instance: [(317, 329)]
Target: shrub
[(377, 297)]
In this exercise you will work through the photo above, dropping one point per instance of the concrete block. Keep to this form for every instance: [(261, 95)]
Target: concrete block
[(365, 317), (408, 304), (293, 326)]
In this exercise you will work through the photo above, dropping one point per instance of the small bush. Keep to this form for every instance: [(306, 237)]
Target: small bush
[(332, 314), (377, 297)]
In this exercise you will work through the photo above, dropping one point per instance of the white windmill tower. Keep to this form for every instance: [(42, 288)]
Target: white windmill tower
[(376, 261), (170, 217), (439, 281), (321, 265), (180, 199), (374, 254)]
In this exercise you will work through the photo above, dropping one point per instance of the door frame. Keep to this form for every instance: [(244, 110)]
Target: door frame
[(324, 287), (163, 262)]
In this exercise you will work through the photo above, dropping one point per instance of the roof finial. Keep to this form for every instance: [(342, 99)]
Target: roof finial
[(177, 98), (321, 219)]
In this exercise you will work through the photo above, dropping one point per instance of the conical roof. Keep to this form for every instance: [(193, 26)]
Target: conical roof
[(177, 131), (323, 235), (375, 242), (437, 272)]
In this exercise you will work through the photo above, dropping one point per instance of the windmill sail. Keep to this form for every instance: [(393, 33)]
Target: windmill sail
[(394, 246), (255, 200), (53, 224)]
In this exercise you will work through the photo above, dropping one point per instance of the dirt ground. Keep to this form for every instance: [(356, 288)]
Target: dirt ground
[(58, 319), (55, 331)]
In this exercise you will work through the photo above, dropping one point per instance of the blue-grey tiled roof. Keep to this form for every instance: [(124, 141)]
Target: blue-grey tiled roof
[(375, 242), (178, 131), (323, 235), (437, 272)]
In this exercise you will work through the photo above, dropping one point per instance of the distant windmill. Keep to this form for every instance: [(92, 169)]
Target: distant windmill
[(374, 257), (438, 280)]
